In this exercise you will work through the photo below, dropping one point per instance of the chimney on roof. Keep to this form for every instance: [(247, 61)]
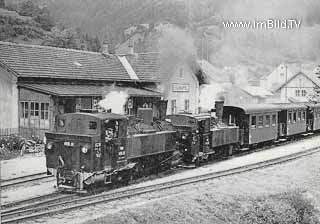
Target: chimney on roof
[(131, 47), (105, 48)]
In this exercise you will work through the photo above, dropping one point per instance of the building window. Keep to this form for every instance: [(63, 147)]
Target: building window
[(297, 92), (290, 117), (173, 106), (253, 121), (44, 115), (34, 115), (24, 114), (186, 105), (260, 121), (181, 72), (267, 124), (303, 92), (274, 119)]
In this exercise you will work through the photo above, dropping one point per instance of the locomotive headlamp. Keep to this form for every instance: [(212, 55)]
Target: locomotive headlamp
[(184, 137), (84, 149), (50, 145)]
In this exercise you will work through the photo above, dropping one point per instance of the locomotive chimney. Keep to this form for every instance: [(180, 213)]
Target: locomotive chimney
[(163, 109), (219, 110)]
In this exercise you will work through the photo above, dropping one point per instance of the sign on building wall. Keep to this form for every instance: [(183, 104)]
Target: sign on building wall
[(177, 87)]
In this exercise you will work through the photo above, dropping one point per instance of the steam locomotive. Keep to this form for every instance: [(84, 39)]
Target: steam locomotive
[(87, 150)]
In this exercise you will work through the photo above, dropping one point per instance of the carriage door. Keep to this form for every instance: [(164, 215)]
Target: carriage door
[(282, 123), (309, 118)]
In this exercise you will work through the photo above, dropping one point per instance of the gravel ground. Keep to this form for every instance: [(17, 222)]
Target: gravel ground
[(21, 166), (222, 200)]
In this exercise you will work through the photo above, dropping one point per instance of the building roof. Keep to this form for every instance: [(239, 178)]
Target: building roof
[(212, 74), (146, 65), (256, 91), (87, 90), (51, 62), (309, 75)]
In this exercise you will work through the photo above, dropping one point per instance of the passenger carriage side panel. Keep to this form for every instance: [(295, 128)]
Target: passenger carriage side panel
[(263, 131), (294, 125), (316, 119)]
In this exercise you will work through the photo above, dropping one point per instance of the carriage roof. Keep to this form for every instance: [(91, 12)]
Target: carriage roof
[(255, 108)]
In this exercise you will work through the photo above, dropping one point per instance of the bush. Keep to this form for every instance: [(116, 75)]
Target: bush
[(287, 208)]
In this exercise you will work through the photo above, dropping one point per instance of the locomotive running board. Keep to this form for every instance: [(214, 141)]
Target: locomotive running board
[(244, 149), (191, 166), (66, 188)]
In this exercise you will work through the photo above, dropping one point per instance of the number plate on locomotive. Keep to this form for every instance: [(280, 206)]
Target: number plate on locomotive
[(70, 144)]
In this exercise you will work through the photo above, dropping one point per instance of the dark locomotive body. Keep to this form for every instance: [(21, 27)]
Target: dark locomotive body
[(90, 149), (201, 136)]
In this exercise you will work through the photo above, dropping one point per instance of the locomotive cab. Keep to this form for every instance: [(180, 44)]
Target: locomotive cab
[(85, 147)]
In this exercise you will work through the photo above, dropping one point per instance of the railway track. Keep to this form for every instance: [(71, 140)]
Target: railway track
[(44, 209), (24, 179)]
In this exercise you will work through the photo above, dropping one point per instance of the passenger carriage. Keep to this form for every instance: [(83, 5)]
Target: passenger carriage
[(258, 123), (313, 117), (292, 119)]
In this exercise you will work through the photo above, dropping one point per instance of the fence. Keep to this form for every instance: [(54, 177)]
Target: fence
[(23, 132), (8, 131)]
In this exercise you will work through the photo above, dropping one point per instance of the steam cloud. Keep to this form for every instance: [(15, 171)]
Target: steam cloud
[(176, 46), (115, 101)]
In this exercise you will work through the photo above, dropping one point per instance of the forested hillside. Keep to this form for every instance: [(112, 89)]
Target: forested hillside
[(258, 49)]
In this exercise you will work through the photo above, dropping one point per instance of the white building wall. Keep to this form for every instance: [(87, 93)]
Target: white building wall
[(182, 85), (8, 100), (300, 82), (280, 75)]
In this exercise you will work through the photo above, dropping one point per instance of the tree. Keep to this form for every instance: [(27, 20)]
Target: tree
[(2, 4), (28, 8), (45, 19), (66, 38)]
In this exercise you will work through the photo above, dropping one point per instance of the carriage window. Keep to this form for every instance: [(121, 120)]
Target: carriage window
[(274, 119), (61, 123), (253, 121), (260, 121), (92, 125), (294, 117), (299, 115), (303, 115), (290, 117), (267, 121)]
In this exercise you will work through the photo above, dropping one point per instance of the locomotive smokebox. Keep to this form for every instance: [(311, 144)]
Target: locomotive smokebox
[(219, 110)]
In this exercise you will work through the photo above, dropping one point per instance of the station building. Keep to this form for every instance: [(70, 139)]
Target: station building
[(39, 82)]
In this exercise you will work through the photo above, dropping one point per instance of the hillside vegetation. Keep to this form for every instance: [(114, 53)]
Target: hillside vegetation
[(259, 49)]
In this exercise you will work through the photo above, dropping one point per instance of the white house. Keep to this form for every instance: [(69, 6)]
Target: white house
[(299, 88)]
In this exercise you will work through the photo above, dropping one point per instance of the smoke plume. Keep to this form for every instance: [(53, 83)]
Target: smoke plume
[(115, 100), (176, 46)]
